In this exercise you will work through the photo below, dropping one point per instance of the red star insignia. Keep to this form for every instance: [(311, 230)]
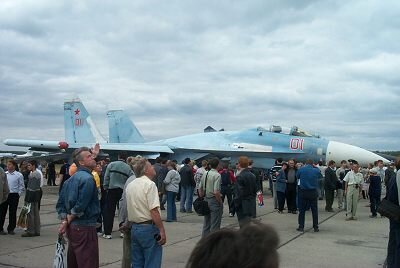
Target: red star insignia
[(77, 111)]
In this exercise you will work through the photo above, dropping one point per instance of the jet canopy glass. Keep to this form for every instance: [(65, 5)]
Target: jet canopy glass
[(293, 131)]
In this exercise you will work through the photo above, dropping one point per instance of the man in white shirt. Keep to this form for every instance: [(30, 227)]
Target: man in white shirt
[(143, 203), (16, 185), (353, 181)]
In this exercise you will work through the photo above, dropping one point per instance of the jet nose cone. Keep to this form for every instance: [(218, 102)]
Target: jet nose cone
[(338, 151)]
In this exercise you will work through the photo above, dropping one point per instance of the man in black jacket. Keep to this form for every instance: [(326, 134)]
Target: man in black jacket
[(331, 182), (245, 192), (187, 186)]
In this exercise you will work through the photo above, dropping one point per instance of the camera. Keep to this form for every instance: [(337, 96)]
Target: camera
[(157, 237)]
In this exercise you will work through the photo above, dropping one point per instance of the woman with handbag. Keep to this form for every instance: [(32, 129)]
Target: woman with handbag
[(33, 196)]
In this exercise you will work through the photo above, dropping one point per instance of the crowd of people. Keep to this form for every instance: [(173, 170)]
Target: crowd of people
[(88, 202)]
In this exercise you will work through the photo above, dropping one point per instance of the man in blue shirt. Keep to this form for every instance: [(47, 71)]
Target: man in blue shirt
[(308, 177), (78, 207)]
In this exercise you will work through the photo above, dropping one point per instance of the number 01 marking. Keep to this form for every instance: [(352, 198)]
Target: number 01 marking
[(78, 122), (296, 144)]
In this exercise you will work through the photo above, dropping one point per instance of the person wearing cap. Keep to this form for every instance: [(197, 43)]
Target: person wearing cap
[(374, 191), (353, 180)]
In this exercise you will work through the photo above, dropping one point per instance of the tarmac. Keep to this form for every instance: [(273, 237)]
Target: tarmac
[(340, 243)]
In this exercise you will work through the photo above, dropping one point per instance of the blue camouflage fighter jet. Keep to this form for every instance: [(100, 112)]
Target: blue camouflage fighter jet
[(260, 144)]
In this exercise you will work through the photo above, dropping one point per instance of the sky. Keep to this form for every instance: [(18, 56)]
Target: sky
[(329, 67)]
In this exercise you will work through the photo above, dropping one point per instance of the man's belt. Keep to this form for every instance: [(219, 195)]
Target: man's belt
[(145, 222)]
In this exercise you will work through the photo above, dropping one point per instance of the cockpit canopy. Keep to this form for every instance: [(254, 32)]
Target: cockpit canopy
[(293, 131)]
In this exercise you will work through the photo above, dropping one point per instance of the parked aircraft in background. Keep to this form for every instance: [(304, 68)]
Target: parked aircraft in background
[(7, 155), (261, 144), (30, 155)]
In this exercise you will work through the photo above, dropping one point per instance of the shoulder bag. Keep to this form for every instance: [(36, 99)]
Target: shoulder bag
[(200, 205)]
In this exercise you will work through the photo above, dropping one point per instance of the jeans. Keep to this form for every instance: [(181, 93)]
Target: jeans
[(393, 251), (146, 252), (171, 206), (308, 199), (375, 202), (212, 221), (186, 198)]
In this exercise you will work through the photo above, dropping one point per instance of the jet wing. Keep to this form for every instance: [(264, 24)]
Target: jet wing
[(132, 147)]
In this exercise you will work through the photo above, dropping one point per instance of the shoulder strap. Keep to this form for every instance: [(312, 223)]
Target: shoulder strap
[(205, 185)]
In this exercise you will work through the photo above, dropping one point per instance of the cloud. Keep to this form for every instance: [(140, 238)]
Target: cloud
[(177, 67)]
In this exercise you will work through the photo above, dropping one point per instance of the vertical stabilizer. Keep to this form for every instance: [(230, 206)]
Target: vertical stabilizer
[(121, 129), (79, 126)]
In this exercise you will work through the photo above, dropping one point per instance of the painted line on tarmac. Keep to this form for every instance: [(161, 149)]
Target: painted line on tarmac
[(28, 249), (309, 229), (232, 225), (9, 265)]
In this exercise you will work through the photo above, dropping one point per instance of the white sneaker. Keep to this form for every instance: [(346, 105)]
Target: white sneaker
[(99, 233), (230, 214), (121, 235), (107, 236)]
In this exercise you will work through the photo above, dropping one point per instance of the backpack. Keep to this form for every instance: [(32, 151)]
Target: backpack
[(225, 178)]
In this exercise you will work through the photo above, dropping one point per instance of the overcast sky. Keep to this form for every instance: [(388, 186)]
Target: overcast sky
[(330, 67)]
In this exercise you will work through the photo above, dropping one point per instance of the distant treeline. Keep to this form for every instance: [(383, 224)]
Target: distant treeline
[(392, 153)]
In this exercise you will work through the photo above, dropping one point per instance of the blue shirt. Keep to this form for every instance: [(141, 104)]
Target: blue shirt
[(15, 182), (308, 177), (79, 197)]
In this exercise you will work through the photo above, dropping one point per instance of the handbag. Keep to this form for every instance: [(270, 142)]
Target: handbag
[(200, 205), (60, 258), (389, 210), (23, 216)]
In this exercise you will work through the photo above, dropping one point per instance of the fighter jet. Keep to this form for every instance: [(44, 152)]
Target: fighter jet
[(263, 145)]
